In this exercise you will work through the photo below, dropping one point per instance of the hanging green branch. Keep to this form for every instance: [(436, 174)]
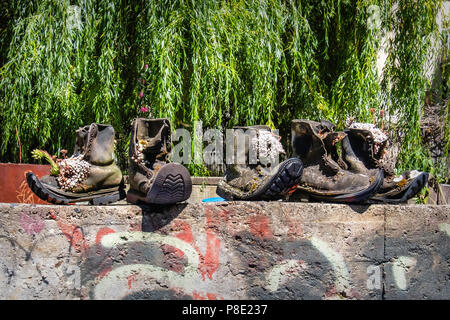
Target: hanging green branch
[(69, 63)]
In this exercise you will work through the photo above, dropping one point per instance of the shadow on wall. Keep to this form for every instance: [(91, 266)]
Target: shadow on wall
[(154, 217)]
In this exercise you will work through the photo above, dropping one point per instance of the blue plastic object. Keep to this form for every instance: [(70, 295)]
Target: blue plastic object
[(216, 199)]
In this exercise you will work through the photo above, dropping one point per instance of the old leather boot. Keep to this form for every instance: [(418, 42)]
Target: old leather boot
[(256, 178), (364, 152), (90, 175), (325, 176), (153, 179)]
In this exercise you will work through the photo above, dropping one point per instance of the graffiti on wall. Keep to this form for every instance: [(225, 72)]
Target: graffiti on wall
[(225, 258)]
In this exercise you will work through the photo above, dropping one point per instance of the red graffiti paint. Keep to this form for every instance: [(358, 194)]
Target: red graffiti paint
[(104, 272), (173, 258), (209, 262), (131, 279), (52, 214), (211, 296), (101, 233), (186, 233), (31, 224), (259, 226), (74, 234), (205, 296), (216, 217), (198, 296), (13, 182), (295, 229)]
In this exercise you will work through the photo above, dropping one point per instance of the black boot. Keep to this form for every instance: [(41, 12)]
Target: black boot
[(256, 179), (325, 176), (363, 151)]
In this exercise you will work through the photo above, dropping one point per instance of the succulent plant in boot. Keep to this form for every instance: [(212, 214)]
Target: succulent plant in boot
[(324, 175), (89, 175), (364, 150), (153, 178), (255, 177)]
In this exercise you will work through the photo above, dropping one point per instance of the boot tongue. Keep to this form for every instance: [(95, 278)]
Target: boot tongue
[(153, 146), (99, 148)]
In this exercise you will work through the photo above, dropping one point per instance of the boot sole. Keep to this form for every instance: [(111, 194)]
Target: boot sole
[(95, 199), (356, 197), (289, 173), (403, 196), (172, 184)]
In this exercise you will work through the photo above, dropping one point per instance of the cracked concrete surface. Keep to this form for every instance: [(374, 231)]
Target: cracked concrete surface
[(227, 250)]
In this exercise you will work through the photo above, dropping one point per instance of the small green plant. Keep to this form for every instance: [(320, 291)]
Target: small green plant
[(41, 154), (198, 170)]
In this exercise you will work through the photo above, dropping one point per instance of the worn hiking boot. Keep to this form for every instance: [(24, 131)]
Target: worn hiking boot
[(255, 177), (90, 175), (364, 150), (153, 178), (324, 175)]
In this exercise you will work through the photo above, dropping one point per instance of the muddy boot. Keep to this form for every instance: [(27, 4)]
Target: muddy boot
[(90, 175), (364, 151), (255, 177), (324, 175), (153, 178)]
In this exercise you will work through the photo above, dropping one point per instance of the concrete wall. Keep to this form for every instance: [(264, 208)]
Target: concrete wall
[(228, 250)]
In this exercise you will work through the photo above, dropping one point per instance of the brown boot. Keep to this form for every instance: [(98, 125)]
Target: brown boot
[(89, 175), (153, 178), (324, 175), (363, 151), (259, 180)]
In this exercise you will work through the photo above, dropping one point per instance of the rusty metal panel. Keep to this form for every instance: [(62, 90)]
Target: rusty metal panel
[(13, 185)]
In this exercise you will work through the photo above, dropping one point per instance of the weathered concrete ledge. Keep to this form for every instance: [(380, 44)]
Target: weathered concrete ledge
[(228, 250)]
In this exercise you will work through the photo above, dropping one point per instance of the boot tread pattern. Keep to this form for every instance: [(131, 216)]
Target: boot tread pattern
[(287, 176), (172, 189)]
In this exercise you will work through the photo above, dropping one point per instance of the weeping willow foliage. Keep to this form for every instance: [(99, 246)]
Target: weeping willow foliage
[(65, 64)]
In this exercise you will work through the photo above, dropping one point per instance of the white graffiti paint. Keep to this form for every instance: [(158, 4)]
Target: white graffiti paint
[(400, 266), (280, 273), (445, 227), (118, 277), (343, 282)]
